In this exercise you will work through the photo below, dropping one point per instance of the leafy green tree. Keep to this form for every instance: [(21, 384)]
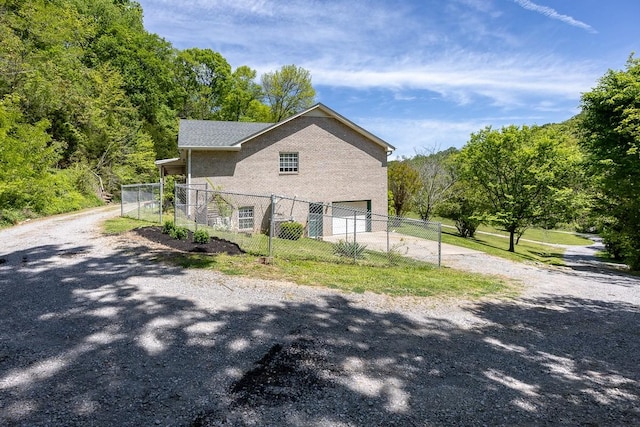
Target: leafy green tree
[(288, 91), (520, 171), (611, 124), (242, 96), (404, 182), (204, 77)]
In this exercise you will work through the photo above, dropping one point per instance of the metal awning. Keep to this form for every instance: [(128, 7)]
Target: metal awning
[(175, 166)]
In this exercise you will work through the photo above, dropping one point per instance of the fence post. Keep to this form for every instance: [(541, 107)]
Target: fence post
[(138, 202), (175, 204), (439, 243), (388, 246), (346, 229), (161, 199), (355, 252), (195, 215), (271, 225), (121, 200)]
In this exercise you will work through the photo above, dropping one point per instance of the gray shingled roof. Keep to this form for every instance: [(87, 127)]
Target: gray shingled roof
[(207, 133)]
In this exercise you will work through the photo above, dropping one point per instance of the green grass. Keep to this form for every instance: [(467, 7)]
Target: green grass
[(498, 246), (553, 237), (405, 278), (121, 224)]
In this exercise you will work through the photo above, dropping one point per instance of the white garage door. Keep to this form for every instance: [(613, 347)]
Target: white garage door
[(347, 215)]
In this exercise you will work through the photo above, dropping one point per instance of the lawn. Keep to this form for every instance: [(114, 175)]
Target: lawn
[(552, 237), (498, 246), (404, 278), (375, 273)]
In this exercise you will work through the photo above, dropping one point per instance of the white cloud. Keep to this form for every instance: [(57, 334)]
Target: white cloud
[(553, 14), (507, 83), (367, 45), (413, 136)]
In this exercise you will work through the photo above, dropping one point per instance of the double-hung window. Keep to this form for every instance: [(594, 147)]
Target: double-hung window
[(245, 218), (288, 162)]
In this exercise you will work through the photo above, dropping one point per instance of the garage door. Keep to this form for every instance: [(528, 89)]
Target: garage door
[(347, 215)]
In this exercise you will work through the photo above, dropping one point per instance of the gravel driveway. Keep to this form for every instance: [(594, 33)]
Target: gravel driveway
[(94, 332)]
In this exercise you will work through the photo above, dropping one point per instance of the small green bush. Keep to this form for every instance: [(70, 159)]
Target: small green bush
[(179, 233), (11, 216), (349, 249), (168, 227), (201, 237), (291, 230)]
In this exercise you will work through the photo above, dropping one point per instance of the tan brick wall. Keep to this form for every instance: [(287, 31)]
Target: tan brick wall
[(335, 164)]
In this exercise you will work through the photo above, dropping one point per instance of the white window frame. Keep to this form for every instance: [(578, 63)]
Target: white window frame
[(289, 162), (243, 218)]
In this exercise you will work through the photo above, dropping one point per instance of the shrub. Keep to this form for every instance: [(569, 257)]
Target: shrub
[(201, 237), (290, 230), (349, 249), (179, 233), (168, 227), (11, 216), (467, 226)]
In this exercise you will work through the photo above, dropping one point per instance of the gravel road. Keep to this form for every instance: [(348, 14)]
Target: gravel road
[(94, 332)]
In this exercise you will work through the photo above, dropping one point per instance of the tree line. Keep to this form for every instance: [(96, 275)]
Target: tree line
[(584, 172), (89, 99)]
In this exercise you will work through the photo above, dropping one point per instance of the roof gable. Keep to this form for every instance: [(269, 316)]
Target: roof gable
[(212, 135)]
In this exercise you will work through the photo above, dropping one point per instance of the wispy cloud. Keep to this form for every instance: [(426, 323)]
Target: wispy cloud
[(411, 136), (465, 77), (553, 14), (369, 45)]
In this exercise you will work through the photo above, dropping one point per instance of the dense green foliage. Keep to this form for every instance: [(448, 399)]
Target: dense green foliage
[(611, 124), (89, 99)]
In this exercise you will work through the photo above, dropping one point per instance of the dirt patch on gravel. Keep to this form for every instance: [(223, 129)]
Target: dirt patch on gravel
[(215, 245)]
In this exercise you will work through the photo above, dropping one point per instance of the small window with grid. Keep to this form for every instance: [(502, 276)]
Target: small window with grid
[(245, 218), (288, 162)]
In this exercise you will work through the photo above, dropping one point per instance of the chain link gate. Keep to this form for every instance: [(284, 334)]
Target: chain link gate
[(142, 201)]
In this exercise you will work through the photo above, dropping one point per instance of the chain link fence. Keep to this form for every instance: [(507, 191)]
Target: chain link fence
[(290, 228), (142, 201)]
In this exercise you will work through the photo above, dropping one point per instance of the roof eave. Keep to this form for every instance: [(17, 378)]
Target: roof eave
[(174, 160), (201, 148)]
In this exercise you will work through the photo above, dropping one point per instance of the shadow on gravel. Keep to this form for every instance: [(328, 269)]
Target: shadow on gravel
[(82, 344)]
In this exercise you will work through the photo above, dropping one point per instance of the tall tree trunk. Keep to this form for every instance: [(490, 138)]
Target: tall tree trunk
[(511, 245)]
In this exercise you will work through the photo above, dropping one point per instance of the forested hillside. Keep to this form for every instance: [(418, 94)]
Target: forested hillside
[(89, 98)]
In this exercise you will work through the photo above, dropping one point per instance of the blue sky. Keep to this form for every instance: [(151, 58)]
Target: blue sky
[(422, 75)]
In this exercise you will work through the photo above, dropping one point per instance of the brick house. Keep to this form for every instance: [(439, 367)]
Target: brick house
[(317, 156)]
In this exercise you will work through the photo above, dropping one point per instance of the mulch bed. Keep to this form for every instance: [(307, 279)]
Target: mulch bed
[(215, 246)]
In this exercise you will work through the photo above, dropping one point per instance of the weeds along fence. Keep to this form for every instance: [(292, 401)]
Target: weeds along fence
[(142, 201), (290, 228)]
